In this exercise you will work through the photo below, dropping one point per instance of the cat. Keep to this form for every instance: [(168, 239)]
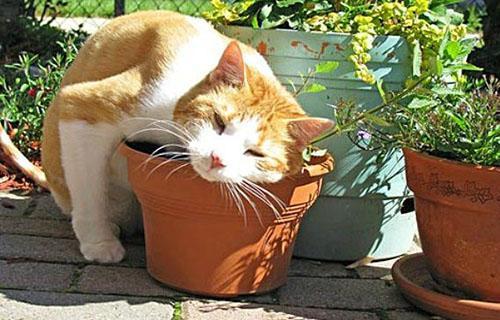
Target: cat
[(168, 79)]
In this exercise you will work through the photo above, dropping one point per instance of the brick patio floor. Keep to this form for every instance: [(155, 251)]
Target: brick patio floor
[(43, 276)]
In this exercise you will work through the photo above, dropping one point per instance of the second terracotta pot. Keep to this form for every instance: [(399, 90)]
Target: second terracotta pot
[(198, 241), (458, 216)]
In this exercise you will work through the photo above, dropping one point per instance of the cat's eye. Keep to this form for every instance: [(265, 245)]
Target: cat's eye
[(254, 153), (219, 123)]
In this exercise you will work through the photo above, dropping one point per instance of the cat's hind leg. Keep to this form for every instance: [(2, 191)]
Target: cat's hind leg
[(85, 152)]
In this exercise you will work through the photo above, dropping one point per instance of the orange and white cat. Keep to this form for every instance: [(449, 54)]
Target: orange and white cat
[(168, 79)]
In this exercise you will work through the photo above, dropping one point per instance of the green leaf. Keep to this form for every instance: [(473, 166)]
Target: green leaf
[(24, 87), (458, 120), (456, 18), (453, 49), (463, 66), (255, 22), (380, 90), (445, 91), (314, 88), (326, 66), (435, 3), (266, 10), (444, 42), (376, 120), (287, 3), (417, 59), (439, 67), (418, 103), (467, 45)]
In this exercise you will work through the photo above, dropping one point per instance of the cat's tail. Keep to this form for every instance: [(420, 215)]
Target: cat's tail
[(19, 160)]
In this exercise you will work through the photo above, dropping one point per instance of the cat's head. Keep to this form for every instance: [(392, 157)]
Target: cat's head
[(245, 125)]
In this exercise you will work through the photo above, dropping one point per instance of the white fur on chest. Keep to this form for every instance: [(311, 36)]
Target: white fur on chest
[(191, 64)]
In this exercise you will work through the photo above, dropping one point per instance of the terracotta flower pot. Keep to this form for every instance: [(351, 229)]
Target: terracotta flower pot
[(197, 241), (458, 216)]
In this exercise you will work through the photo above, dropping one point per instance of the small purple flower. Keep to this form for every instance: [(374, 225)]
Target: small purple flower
[(364, 135)]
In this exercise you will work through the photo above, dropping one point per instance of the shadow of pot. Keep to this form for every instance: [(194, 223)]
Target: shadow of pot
[(199, 242)]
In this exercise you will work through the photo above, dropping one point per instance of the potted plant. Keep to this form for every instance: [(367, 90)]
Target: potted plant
[(195, 239), (360, 212), (451, 141)]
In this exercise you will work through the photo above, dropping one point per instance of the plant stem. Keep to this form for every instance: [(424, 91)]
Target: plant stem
[(397, 97), (306, 80)]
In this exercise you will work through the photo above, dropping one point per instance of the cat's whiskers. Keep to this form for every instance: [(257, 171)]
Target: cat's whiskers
[(250, 202), (278, 201), (162, 164), (180, 130), (266, 196), (154, 154), (183, 139), (237, 200), (171, 123), (222, 191), (176, 169), (262, 197)]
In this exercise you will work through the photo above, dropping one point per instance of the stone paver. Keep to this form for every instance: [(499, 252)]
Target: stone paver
[(382, 269), (39, 248), (44, 276), (218, 310), (13, 246), (13, 205), (36, 227), (311, 268), (405, 315), (46, 208), (341, 293), (33, 305), (121, 280), (35, 275)]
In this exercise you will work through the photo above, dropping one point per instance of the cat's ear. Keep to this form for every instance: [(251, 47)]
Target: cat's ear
[(231, 67), (304, 130)]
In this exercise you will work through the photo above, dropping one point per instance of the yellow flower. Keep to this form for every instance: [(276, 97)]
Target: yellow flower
[(362, 19), (422, 6)]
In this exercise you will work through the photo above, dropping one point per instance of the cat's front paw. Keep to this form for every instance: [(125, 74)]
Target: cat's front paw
[(104, 252)]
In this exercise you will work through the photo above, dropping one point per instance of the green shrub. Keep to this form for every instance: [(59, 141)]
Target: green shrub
[(423, 23), (26, 89), (460, 123)]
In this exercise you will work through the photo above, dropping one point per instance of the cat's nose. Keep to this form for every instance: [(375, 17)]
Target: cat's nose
[(216, 161)]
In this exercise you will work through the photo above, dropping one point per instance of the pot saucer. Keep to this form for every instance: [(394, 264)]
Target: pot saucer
[(415, 282)]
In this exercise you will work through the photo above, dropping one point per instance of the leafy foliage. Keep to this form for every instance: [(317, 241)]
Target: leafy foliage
[(461, 123), (26, 89), (458, 120), (424, 23)]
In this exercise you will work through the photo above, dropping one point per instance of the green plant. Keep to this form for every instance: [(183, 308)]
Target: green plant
[(31, 36), (460, 123), (423, 23), (43, 11), (26, 89)]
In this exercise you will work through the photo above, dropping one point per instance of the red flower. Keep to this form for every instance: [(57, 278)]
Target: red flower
[(32, 92)]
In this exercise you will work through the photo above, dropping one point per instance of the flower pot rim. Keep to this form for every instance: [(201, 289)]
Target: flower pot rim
[(321, 166), (318, 33), (449, 161)]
